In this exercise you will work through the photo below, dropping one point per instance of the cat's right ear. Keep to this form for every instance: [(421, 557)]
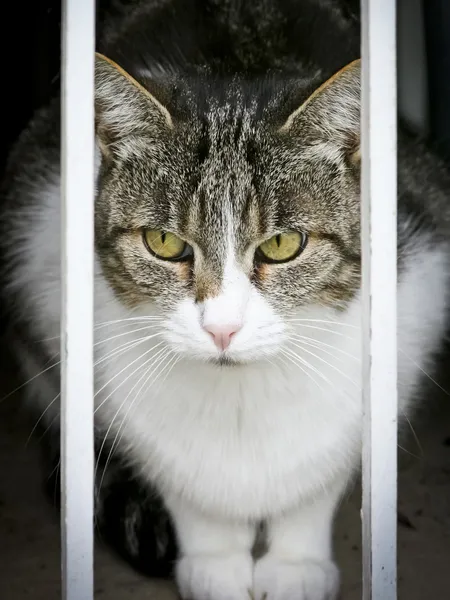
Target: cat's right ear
[(123, 107), (332, 113)]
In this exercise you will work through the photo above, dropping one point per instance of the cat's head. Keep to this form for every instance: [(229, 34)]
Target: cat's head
[(225, 213)]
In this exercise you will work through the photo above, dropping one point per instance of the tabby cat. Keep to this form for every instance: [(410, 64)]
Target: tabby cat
[(227, 287)]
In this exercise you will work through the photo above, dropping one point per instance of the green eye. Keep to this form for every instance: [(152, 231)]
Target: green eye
[(166, 245), (282, 247)]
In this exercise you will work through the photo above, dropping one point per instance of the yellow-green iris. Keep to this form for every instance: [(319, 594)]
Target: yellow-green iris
[(281, 247), (164, 244)]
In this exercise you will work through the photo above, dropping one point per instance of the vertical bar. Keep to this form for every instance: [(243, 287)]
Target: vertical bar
[(77, 167), (379, 286)]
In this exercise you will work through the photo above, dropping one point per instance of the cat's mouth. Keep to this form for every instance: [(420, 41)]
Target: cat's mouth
[(225, 361)]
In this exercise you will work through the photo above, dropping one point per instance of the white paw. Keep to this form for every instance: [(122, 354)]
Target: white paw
[(302, 580), (215, 578)]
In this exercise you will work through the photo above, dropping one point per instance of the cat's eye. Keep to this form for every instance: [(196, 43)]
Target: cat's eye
[(282, 247), (166, 245)]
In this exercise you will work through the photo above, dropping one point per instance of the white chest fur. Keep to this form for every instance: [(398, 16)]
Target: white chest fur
[(251, 441), (246, 441)]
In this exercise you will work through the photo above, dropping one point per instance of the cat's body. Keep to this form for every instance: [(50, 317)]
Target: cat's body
[(243, 402)]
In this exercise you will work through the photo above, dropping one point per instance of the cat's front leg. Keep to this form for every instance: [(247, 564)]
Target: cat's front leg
[(299, 563), (215, 560)]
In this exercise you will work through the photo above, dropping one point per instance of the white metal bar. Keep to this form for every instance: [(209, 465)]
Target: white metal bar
[(379, 272), (77, 166)]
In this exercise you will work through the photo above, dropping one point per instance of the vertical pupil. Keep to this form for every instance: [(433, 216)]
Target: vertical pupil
[(278, 240), (163, 237)]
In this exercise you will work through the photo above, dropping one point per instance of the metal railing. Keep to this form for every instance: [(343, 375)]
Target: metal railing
[(77, 409), (379, 253), (379, 298)]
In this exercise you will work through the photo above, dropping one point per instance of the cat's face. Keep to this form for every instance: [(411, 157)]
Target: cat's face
[(228, 223)]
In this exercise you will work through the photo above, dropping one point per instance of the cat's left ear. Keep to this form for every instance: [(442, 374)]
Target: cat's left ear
[(333, 112), (124, 108)]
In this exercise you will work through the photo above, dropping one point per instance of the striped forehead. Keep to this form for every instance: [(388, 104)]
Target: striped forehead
[(221, 214), (224, 173)]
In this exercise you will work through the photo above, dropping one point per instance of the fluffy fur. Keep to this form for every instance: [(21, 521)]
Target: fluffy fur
[(213, 132)]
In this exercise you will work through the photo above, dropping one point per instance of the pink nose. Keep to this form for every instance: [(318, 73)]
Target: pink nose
[(222, 334)]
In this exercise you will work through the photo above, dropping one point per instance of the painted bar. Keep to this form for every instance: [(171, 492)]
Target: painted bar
[(379, 271), (77, 165)]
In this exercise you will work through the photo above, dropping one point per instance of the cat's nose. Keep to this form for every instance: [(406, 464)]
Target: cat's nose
[(222, 334)]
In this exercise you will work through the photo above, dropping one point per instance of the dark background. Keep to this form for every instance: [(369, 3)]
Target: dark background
[(437, 31), (30, 51)]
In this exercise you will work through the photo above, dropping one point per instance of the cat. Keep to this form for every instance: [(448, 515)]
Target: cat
[(227, 286)]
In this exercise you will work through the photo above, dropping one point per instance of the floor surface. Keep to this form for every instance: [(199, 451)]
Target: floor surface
[(29, 534)]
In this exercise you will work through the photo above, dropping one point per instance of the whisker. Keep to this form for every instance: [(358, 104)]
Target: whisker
[(150, 360), (298, 362), (50, 426), (168, 368), (425, 373), (117, 374), (140, 320), (307, 364), (416, 437), (120, 350), (152, 367), (310, 366), (124, 333), (171, 363), (125, 347), (408, 452), (19, 387), (317, 347), (40, 419), (22, 385), (326, 363), (55, 470), (320, 344), (102, 324), (331, 322), (338, 333)]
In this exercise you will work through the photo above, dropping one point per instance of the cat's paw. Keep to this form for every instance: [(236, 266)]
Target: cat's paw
[(302, 580), (215, 578)]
